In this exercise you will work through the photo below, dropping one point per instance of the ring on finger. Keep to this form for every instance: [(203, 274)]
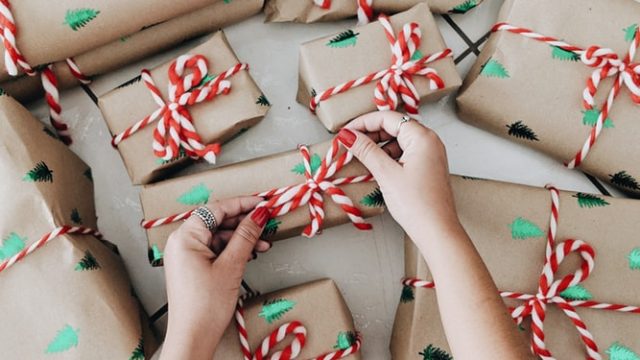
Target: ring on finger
[(206, 215), (405, 119)]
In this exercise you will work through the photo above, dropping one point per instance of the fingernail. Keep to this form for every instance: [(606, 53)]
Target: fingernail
[(347, 137), (260, 216)]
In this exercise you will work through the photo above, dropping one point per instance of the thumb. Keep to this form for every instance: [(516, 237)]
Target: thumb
[(368, 152), (245, 237)]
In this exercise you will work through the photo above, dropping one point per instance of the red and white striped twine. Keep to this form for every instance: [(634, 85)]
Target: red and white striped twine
[(45, 239), (175, 127), (607, 64), (550, 288), (13, 59), (365, 9), (289, 352), (283, 200), (395, 84)]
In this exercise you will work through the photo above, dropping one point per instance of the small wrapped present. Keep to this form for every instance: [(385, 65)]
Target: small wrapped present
[(319, 186), (64, 292), (193, 104), (309, 321), (548, 78), (131, 48), (341, 79), (588, 247), (307, 11)]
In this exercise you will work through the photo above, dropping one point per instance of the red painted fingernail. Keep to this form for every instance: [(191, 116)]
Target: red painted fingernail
[(347, 137), (260, 216)]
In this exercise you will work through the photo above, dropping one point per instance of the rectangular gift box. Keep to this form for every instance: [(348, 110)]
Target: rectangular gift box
[(216, 121), (327, 62), (307, 11), (146, 42), (178, 195), (48, 32), (318, 306), (508, 224), (72, 297), (531, 92)]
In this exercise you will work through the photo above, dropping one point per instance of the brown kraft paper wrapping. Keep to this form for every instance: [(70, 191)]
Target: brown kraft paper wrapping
[(318, 305), (49, 290), (544, 93), (217, 120), (49, 33), (165, 198), (306, 11), (144, 43), (323, 67), (487, 209)]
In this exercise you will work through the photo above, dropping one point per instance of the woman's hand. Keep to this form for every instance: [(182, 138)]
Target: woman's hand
[(203, 273), (411, 169)]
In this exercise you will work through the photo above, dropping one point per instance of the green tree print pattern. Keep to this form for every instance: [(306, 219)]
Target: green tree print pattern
[(197, 195), (522, 229), (464, 7), (79, 18), (407, 295), (590, 118), (344, 39), (270, 229), (576, 292), (345, 340), (88, 262), (374, 199), (564, 55), (66, 339), (521, 131), (624, 180), (618, 351), (495, 69), (11, 245), (590, 200), (263, 101), (630, 32), (434, 353), (314, 162), (40, 173), (138, 352), (273, 310), (634, 259)]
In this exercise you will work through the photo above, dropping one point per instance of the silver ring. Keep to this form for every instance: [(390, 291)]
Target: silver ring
[(405, 119), (207, 217)]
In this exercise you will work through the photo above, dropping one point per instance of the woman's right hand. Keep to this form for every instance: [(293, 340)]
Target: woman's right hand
[(411, 169)]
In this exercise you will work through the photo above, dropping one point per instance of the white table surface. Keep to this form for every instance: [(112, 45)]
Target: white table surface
[(367, 266)]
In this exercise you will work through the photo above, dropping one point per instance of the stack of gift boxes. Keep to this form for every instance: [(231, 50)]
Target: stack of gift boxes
[(186, 110)]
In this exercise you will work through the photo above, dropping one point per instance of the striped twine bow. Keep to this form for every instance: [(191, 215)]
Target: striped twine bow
[(290, 351), (395, 84), (365, 9), (45, 239), (607, 64), (13, 59), (283, 200), (550, 288), (175, 128)]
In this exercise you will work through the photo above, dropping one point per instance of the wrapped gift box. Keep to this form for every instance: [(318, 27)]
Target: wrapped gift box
[(166, 199), (531, 91), (71, 297), (215, 121), (511, 238), (330, 61)]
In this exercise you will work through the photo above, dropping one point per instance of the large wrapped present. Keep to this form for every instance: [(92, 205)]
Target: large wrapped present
[(183, 109), (395, 61), (309, 321), (131, 48), (65, 293), (550, 79), (307, 11), (571, 259), (320, 186)]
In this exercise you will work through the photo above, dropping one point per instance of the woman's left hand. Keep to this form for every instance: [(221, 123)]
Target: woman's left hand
[(203, 274)]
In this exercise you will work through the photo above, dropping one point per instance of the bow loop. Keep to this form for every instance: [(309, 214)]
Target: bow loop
[(181, 82)]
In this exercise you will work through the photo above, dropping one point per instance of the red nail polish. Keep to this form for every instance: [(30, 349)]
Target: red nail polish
[(260, 216), (347, 137)]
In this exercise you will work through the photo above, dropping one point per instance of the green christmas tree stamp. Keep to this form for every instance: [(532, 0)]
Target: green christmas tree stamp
[(464, 7), (65, 339), (88, 262), (576, 292), (373, 199), (590, 200), (624, 180), (75, 216), (493, 68), (263, 101), (344, 39), (11, 245), (630, 32), (40, 173), (156, 256), (590, 118), (522, 229), (138, 352), (345, 340), (197, 195), (634, 259), (521, 131), (563, 55), (273, 310), (79, 18), (314, 162), (434, 353), (270, 229), (618, 351), (407, 295), (88, 174)]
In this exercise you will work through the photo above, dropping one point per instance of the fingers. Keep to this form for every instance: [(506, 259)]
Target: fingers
[(230, 208), (393, 149), (221, 239), (369, 153), (245, 238)]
